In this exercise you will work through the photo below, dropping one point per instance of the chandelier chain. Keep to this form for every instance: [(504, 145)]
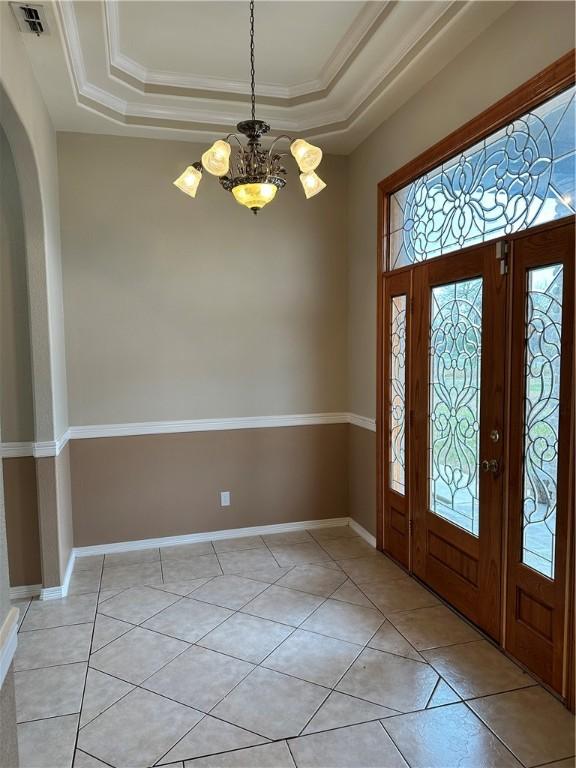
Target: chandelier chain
[(252, 68)]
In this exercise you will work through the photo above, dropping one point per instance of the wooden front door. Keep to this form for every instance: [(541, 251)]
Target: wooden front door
[(541, 463), (457, 430)]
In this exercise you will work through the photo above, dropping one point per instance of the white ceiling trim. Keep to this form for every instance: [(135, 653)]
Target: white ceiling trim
[(120, 110), (367, 21)]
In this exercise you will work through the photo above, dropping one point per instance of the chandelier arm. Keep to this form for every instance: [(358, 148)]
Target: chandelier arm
[(277, 139)]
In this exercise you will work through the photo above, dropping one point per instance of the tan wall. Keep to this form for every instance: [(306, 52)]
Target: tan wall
[(127, 488), (524, 40), (15, 363), (184, 309), (362, 477), (22, 530)]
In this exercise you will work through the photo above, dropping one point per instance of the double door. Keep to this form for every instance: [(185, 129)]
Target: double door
[(477, 437)]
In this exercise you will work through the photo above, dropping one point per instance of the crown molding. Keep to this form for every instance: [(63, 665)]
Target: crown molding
[(139, 77)]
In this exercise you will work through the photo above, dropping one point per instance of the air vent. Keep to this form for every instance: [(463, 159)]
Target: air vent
[(30, 18)]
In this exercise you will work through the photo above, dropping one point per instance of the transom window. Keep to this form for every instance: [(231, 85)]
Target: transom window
[(521, 176)]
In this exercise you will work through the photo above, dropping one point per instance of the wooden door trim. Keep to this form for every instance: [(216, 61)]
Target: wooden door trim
[(556, 78)]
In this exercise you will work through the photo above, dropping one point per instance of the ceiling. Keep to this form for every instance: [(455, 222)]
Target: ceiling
[(331, 70)]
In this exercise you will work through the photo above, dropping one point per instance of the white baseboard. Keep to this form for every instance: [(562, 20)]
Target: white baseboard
[(8, 642), (54, 593), (28, 590), (361, 531), (232, 533)]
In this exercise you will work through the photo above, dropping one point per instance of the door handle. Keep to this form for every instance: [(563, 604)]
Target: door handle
[(490, 465)]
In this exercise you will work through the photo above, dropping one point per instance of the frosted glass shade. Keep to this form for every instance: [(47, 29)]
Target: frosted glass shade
[(216, 160), (306, 155), (188, 182), (255, 195), (312, 184)]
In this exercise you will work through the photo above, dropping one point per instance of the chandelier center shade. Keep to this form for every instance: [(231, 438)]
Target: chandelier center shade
[(253, 173)]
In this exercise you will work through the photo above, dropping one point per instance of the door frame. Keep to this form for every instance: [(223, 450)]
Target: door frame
[(556, 78)]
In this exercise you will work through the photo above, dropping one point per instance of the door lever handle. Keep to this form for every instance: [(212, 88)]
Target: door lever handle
[(490, 465)]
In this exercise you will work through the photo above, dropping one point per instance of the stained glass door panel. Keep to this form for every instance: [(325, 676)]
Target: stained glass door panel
[(457, 396), (541, 508)]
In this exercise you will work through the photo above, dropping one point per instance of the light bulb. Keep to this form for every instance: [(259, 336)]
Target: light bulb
[(188, 181), (216, 159), (306, 155), (312, 184), (254, 196)]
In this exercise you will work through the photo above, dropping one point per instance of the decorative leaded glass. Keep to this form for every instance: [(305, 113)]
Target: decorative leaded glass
[(397, 393), (455, 356), (541, 414), (521, 176)]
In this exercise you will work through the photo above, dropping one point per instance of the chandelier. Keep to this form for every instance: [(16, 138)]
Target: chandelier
[(254, 174)]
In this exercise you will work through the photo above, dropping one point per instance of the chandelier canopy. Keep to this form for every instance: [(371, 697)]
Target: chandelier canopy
[(254, 174)]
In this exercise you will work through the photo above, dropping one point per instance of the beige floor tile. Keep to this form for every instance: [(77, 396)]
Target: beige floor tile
[(137, 604), (442, 695), (356, 746), (47, 743), (229, 591), (183, 588), (101, 692), (271, 704), (246, 560), (344, 621), (340, 709), (188, 620), (275, 755), (446, 737), (284, 605), (402, 594), (199, 678), (239, 543), (350, 593), (84, 582), (88, 563), (84, 760), (49, 647), (192, 568), (335, 532), (184, 551), (313, 657), (136, 655), (23, 605), (532, 724), (287, 537), (49, 692), (138, 730), (132, 557), (341, 549), (246, 637), (390, 640), (211, 737), (568, 763), (267, 574), (364, 570), (477, 669), (391, 681), (433, 627), (43, 614), (299, 554), (314, 579), (106, 630), (135, 575), (106, 594)]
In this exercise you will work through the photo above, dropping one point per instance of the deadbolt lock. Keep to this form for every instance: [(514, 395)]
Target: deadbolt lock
[(494, 435)]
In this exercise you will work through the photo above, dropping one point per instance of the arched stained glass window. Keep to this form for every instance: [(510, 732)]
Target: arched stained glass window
[(521, 176)]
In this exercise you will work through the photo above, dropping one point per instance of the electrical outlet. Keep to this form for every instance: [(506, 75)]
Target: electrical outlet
[(224, 498)]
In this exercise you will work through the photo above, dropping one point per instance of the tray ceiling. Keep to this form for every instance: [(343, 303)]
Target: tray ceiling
[(330, 70)]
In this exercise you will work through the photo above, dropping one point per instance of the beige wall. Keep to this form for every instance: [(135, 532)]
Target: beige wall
[(20, 494), (15, 362), (128, 488), (362, 477), (185, 309), (524, 40)]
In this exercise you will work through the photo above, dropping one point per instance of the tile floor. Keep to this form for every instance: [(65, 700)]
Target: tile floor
[(297, 649)]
